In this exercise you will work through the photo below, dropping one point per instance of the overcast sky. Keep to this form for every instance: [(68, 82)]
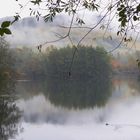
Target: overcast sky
[(10, 7)]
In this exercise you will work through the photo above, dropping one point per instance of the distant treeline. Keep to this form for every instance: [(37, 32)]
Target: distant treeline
[(88, 62), (7, 70)]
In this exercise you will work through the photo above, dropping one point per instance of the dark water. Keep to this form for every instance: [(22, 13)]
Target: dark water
[(70, 110), (10, 113)]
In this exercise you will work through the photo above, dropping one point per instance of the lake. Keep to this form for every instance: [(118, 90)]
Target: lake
[(71, 110)]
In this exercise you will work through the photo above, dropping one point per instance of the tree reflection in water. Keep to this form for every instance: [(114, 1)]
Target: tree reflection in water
[(9, 113), (78, 94)]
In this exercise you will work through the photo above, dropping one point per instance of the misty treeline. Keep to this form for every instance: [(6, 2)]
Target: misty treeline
[(88, 62), (7, 61)]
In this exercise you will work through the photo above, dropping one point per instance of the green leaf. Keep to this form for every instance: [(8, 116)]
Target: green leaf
[(36, 2), (119, 9), (80, 21), (120, 19), (49, 17), (118, 32), (138, 9), (135, 18), (123, 22), (6, 31), (5, 24), (1, 32)]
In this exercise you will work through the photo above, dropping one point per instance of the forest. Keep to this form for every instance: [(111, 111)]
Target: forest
[(60, 74), (87, 63), (58, 63)]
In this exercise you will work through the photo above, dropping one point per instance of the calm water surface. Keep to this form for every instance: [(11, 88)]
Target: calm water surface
[(77, 110)]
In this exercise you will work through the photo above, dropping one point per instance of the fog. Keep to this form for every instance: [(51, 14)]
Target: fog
[(117, 120), (122, 117), (90, 132), (30, 32)]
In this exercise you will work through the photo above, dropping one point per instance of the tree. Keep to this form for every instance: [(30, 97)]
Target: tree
[(90, 69), (9, 113), (77, 94), (6, 61), (89, 63)]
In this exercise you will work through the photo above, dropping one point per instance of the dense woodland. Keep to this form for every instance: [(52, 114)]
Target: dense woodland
[(88, 62), (61, 75)]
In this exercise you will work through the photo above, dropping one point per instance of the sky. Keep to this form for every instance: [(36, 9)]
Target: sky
[(10, 7)]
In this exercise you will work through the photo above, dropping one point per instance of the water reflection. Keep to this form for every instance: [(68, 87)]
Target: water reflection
[(44, 120), (55, 102), (125, 88), (9, 113), (77, 94)]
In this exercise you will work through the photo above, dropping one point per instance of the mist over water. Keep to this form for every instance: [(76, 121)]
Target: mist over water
[(117, 119)]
